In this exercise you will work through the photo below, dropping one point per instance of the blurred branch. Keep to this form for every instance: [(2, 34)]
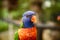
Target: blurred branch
[(10, 21)]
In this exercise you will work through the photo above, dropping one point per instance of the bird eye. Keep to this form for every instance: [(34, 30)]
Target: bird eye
[(27, 16)]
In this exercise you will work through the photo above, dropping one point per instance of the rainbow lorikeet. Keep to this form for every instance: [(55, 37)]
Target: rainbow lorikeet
[(28, 30)]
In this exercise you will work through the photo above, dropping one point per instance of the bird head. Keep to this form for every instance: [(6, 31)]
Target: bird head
[(31, 15)]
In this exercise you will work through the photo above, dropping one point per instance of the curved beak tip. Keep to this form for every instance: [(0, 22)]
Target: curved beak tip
[(33, 19)]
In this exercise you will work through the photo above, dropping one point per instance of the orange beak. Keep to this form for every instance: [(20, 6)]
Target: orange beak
[(58, 18), (33, 19)]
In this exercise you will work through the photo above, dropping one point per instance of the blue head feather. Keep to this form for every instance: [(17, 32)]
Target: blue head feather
[(29, 13), (27, 20)]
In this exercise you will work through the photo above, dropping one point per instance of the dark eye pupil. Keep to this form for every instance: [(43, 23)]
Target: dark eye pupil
[(27, 16)]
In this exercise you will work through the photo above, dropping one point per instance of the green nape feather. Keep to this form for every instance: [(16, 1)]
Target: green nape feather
[(21, 25), (16, 36), (16, 33)]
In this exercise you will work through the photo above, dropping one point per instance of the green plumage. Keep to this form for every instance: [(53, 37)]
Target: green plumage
[(21, 25), (16, 36)]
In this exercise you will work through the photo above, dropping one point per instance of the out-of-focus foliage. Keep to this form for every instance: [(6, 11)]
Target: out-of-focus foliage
[(17, 14), (22, 7), (3, 26), (0, 10), (54, 8)]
